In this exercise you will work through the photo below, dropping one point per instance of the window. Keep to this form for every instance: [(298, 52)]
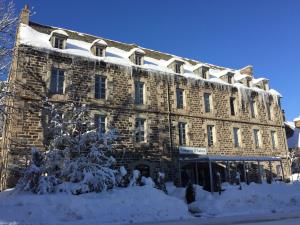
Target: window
[(177, 68), (182, 133), (256, 133), (236, 137), (229, 79), (100, 87), (138, 59), (269, 110), (210, 135), (139, 130), (232, 106), (204, 72), (253, 108), (139, 92), (274, 139), (100, 123), (99, 51), (57, 81), (248, 82), (179, 96), (207, 101), (59, 42)]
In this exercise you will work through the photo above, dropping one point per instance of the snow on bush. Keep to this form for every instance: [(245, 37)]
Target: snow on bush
[(77, 153)]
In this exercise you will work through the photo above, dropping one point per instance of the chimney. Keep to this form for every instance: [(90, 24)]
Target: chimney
[(24, 16)]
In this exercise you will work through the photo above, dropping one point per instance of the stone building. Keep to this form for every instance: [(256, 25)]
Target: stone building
[(192, 120)]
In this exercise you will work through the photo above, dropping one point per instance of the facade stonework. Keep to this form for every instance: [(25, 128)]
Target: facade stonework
[(30, 81)]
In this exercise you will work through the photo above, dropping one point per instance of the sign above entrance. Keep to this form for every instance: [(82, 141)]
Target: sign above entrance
[(192, 150)]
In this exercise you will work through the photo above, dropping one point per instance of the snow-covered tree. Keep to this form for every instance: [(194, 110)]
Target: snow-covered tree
[(77, 153), (8, 21)]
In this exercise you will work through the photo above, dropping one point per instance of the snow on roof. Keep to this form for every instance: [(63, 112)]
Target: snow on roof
[(99, 42), (290, 124), (238, 76), (297, 119), (114, 54), (218, 73), (60, 32), (136, 50), (274, 92), (173, 60), (259, 80), (197, 66)]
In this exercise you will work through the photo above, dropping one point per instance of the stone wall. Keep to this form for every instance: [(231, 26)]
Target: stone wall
[(30, 79)]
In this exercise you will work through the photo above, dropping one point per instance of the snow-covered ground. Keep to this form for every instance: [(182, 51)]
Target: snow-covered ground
[(252, 199), (147, 204), (120, 206)]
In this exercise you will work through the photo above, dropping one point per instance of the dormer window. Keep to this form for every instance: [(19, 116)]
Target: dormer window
[(99, 51), (230, 79), (201, 70), (136, 55), (248, 82), (178, 68), (98, 47), (138, 59), (58, 39), (176, 65), (58, 42)]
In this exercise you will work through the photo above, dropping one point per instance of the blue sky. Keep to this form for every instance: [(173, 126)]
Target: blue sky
[(231, 33)]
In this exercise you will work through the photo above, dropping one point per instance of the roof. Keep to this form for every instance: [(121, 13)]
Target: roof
[(78, 44)]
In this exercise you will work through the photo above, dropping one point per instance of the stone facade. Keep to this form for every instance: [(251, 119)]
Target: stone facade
[(30, 80)]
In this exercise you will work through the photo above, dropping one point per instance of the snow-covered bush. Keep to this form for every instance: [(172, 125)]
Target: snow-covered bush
[(136, 179), (123, 177), (76, 153), (160, 182)]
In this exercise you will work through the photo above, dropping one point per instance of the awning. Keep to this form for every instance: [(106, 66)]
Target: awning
[(228, 158)]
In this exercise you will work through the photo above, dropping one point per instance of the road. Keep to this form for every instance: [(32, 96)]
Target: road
[(271, 219)]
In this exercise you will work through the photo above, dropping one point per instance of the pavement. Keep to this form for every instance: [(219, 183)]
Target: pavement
[(263, 219)]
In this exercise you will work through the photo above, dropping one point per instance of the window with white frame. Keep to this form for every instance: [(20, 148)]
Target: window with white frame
[(274, 139), (139, 92), (100, 123), (139, 130), (57, 81), (59, 42), (100, 87), (236, 137), (180, 98), (207, 102), (210, 135), (182, 133), (256, 134)]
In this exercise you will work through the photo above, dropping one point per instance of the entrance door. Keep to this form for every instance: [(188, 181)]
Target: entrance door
[(144, 170)]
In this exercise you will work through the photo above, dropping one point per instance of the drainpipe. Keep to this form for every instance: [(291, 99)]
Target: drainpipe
[(170, 126)]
